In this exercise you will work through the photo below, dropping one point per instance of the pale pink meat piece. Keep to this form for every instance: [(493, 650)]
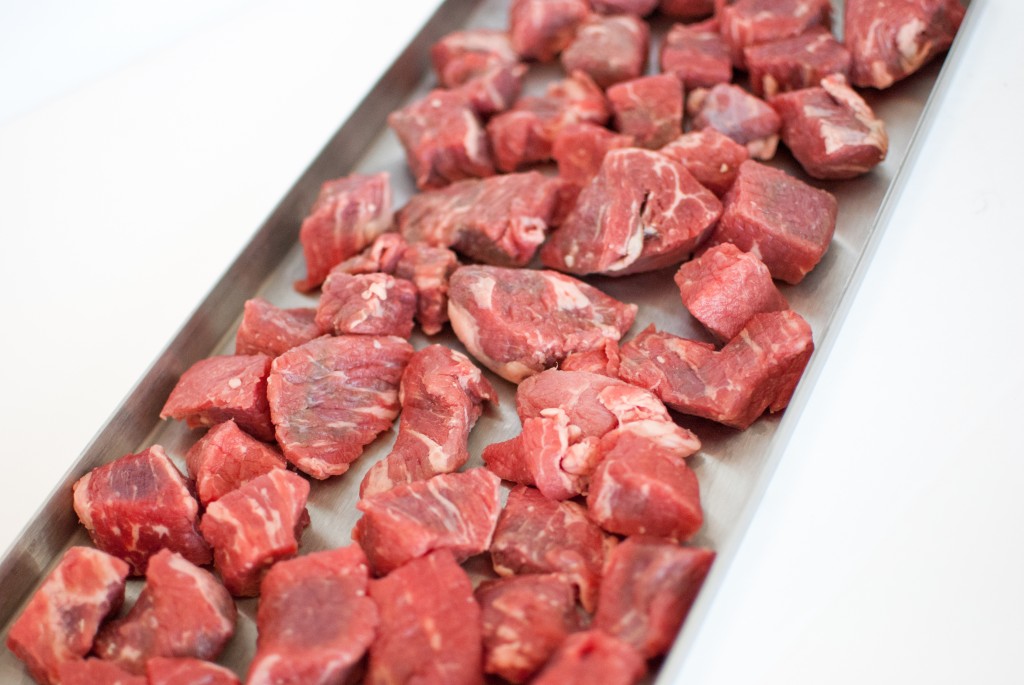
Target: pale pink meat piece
[(270, 330), (225, 458), (795, 63), (593, 656), (96, 672), (697, 55), (381, 256), (752, 22), (609, 49), (187, 671), (579, 150), (712, 157), (429, 268), (638, 7), (462, 56), (650, 109), (745, 118), (540, 29), (368, 304), (686, 9)]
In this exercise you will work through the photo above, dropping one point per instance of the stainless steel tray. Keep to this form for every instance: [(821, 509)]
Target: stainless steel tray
[(733, 467)]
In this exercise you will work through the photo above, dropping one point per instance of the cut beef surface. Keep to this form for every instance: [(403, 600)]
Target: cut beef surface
[(494, 91), (752, 22), (518, 322), (593, 656), (540, 29), (462, 56), (795, 63), (315, 619), (96, 672), (745, 118), (137, 505), (609, 49), (650, 109), (686, 9), (270, 330), (712, 158), (187, 671), (696, 55), (60, 621), (381, 256), (429, 268), (367, 304), (579, 150), (331, 397), (227, 457), (603, 361), (641, 8)]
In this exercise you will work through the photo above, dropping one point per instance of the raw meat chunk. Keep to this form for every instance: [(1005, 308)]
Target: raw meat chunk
[(227, 457), (696, 55), (593, 656), (380, 257), (786, 223), (494, 91), (452, 511), (756, 370), (333, 396), (540, 29), (348, 215), (649, 585), (752, 22), (429, 268), (795, 63), (315, 619), (500, 220), (643, 211), (609, 49), (96, 672), (137, 505), (726, 286), (442, 396), (255, 526), (367, 304), (579, 150), (269, 330), (638, 7), (462, 56), (524, 619), (603, 360), (85, 586), (712, 158), (831, 131), (187, 671), (444, 140), (518, 322), (891, 39), (686, 9), (538, 535), (182, 611), (224, 388), (429, 625), (650, 109), (743, 117)]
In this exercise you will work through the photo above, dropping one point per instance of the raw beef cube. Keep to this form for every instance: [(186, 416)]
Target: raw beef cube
[(697, 56), (182, 611), (712, 158), (786, 223), (795, 63), (643, 211), (686, 9), (462, 56), (755, 371), (137, 505), (524, 620), (831, 131), (648, 588), (494, 91), (315, 619), (752, 22), (348, 215), (429, 625), (429, 268), (726, 286), (96, 672), (650, 109), (609, 49), (538, 535), (579, 150), (86, 585), (500, 220), (743, 117), (380, 257), (187, 671), (638, 7), (444, 140), (540, 29), (333, 396), (452, 511), (891, 39), (518, 322), (442, 396), (269, 330), (226, 458), (593, 656), (255, 526), (367, 304), (603, 360)]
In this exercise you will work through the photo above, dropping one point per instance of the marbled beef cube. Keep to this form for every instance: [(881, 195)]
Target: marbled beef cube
[(713, 158), (745, 118), (367, 304), (227, 457), (187, 671), (429, 267), (787, 223), (752, 22), (461, 56), (697, 55), (380, 257), (650, 109), (609, 49), (579, 150), (593, 656), (270, 330), (540, 29), (686, 10), (795, 63), (494, 91), (603, 361)]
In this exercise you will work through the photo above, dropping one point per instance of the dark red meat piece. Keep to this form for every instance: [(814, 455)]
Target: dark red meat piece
[(137, 505), (686, 9), (429, 268), (593, 656), (97, 672), (579, 150), (650, 109), (367, 304), (269, 330), (795, 63), (696, 55), (380, 257), (712, 158), (225, 458), (187, 671), (540, 29), (609, 49), (494, 91), (745, 118), (462, 56), (752, 22)]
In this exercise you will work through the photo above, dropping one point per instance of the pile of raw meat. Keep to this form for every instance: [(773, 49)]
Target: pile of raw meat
[(577, 527)]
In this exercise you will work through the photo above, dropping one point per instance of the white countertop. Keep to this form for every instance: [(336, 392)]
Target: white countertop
[(139, 150)]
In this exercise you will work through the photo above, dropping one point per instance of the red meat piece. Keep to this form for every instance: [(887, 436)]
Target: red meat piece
[(538, 535), (540, 29), (696, 55), (686, 9), (500, 220), (349, 213), (96, 672), (579, 150), (269, 330), (442, 396), (429, 268), (795, 63), (367, 304), (891, 39), (643, 211), (745, 118), (648, 588), (756, 370), (494, 91), (831, 131), (315, 620), (137, 505), (255, 526), (182, 611), (609, 49), (462, 56), (187, 671), (712, 158), (638, 7), (518, 322), (85, 586), (227, 457), (381, 256), (524, 619), (593, 656), (726, 286), (333, 396), (753, 22), (786, 223), (650, 109), (603, 360), (444, 140)]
